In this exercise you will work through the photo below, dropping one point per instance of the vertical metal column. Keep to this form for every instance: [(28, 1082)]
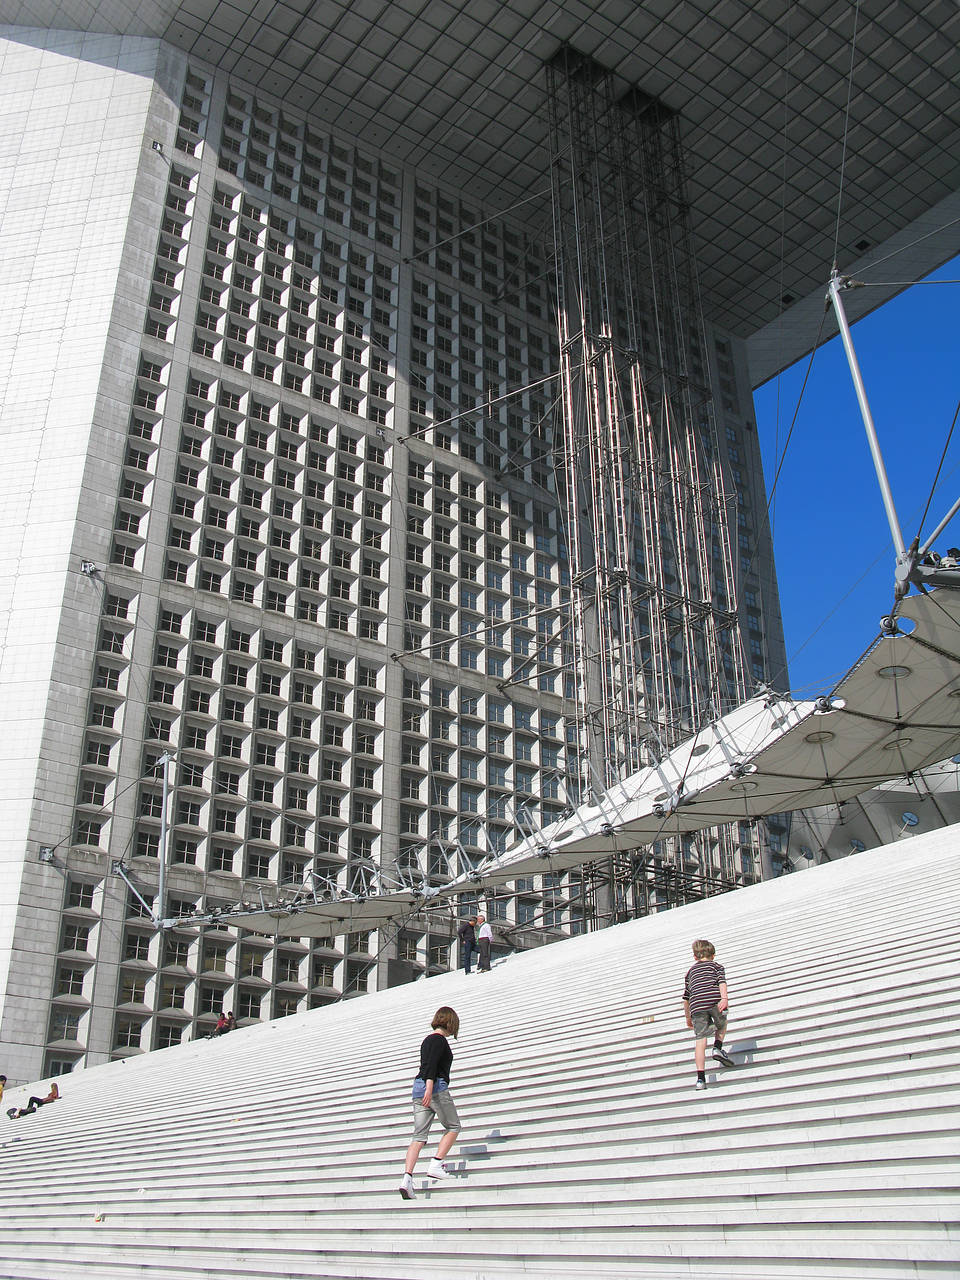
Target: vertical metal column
[(648, 517)]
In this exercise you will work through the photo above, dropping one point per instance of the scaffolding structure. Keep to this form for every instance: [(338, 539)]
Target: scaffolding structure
[(648, 510)]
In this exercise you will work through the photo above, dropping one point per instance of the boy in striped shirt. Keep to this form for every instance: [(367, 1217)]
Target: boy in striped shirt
[(705, 1002)]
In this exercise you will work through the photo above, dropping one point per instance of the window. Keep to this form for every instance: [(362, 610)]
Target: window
[(363, 811), (75, 937), (92, 792), (80, 895), (70, 981), (128, 1034), (248, 1004), (65, 1024), (169, 1033), (260, 826), (133, 987), (136, 946), (221, 858), (258, 866)]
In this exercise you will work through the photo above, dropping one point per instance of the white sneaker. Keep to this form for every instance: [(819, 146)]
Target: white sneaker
[(701, 1084), (438, 1169), (406, 1187)]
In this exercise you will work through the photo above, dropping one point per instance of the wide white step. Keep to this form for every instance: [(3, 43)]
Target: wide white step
[(829, 1150)]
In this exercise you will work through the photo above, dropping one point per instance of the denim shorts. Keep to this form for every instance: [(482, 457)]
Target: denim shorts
[(441, 1106), (704, 1017)]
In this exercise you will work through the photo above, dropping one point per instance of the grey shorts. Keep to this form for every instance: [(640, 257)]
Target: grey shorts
[(704, 1017), (441, 1106)]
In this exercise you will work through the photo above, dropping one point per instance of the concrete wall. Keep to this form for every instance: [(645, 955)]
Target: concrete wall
[(75, 127)]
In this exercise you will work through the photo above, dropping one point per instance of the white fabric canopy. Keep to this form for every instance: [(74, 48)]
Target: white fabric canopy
[(898, 709), (309, 919)]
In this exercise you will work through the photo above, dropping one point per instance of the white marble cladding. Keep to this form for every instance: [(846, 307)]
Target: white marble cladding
[(73, 114)]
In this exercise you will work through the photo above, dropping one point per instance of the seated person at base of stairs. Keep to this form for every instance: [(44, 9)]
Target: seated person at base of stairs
[(34, 1103)]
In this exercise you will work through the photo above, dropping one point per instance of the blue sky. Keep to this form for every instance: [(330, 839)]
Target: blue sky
[(832, 543)]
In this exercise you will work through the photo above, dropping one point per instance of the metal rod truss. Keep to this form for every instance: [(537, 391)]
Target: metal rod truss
[(648, 512)]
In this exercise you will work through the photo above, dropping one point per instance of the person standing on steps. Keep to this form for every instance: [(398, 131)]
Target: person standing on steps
[(705, 1004), (484, 939), (468, 940), (431, 1097)]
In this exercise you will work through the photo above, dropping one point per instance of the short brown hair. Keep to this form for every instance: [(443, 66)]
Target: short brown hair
[(704, 950), (446, 1019)]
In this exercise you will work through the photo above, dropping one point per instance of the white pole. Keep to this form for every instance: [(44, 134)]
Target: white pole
[(161, 889), (871, 430)]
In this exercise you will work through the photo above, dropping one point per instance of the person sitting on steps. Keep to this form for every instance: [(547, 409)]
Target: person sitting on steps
[(226, 1022), (34, 1103)]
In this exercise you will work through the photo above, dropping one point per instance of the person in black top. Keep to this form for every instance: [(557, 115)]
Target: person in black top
[(431, 1097), (467, 934)]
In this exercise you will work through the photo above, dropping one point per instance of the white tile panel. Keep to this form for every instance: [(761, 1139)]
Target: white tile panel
[(66, 204)]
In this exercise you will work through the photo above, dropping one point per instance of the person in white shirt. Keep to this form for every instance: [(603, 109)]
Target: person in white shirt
[(484, 938)]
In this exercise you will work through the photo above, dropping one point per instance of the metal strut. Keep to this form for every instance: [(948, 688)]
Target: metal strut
[(915, 565)]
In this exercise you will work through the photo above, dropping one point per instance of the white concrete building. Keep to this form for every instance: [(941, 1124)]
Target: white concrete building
[(279, 492)]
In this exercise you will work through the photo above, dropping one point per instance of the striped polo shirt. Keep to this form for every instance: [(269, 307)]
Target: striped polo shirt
[(701, 986)]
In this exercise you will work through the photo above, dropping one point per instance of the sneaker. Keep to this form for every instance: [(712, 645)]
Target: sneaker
[(720, 1055), (406, 1187), (438, 1169), (701, 1084), (12, 1113)]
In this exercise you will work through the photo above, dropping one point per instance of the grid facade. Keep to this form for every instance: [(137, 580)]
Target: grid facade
[(334, 581), (335, 588)]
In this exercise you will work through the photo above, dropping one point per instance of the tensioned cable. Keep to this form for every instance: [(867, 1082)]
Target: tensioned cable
[(796, 413), (476, 226), (105, 809), (936, 478), (482, 407), (786, 444), (816, 631), (946, 613), (899, 284), (867, 571), (846, 128), (913, 243), (782, 241)]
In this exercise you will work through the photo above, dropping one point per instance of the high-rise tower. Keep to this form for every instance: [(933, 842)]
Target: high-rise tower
[(292, 441)]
